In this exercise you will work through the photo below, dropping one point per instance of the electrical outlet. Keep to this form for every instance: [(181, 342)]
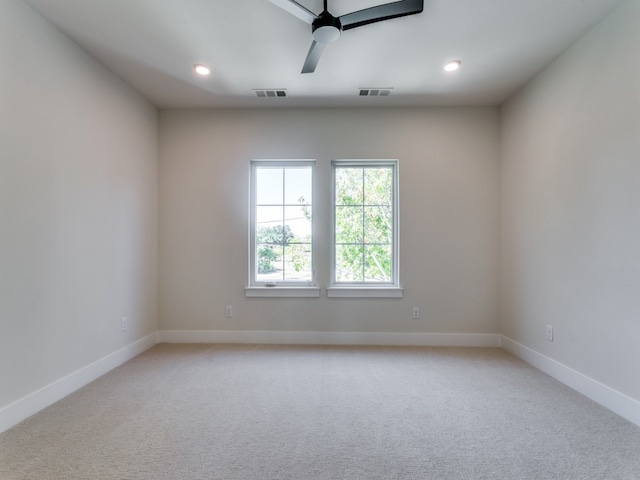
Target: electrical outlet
[(124, 324), (228, 311), (550, 333), (416, 312)]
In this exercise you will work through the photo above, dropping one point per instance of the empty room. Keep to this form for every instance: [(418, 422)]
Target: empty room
[(343, 239)]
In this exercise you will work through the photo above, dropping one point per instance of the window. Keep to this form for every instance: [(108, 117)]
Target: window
[(358, 202), (281, 230), (365, 225)]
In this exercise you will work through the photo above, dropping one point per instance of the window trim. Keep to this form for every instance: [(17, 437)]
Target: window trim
[(282, 292), (390, 289), (365, 292), (257, 288)]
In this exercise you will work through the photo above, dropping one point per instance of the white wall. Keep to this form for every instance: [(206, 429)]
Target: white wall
[(78, 207), (448, 216), (570, 196)]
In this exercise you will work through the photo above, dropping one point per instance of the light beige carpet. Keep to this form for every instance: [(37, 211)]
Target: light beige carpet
[(276, 412)]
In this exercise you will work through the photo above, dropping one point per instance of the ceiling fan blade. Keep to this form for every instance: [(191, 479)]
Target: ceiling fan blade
[(296, 9), (313, 57), (380, 13)]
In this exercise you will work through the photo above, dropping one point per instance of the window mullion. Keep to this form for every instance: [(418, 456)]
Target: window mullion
[(363, 224), (282, 240)]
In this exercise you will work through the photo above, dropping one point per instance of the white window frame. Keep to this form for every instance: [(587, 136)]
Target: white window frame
[(391, 289), (284, 288)]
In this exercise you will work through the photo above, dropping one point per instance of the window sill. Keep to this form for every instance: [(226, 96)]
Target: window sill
[(365, 292), (282, 292)]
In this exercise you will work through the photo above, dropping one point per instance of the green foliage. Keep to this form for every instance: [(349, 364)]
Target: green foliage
[(306, 211), (299, 255), (276, 235), (349, 263), (270, 241), (268, 238), (266, 257)]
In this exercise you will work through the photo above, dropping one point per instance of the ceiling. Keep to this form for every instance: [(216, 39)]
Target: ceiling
[(253, 44)]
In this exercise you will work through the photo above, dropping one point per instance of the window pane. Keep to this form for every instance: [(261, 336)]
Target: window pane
[(348, 187), (269, 186), (379, 186), (269, 225), (378, 225), (269, 263), (349, 225), (297, 264), (377, 263), (297, 186), (349, 260), (298, 222)]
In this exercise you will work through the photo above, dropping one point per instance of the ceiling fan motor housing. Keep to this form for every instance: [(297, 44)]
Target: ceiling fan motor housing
[(326, 28)]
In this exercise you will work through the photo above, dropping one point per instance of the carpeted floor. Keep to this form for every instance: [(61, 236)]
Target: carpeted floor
[(243, 412)]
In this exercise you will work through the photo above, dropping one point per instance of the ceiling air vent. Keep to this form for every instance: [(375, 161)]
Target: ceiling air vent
[(375, 92), (271, 93)]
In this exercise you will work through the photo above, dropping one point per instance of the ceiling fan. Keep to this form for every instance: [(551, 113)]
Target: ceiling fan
[(325, 28)]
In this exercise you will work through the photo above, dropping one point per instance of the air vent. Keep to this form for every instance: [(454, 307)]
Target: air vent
[(273, 93), (375, 92)]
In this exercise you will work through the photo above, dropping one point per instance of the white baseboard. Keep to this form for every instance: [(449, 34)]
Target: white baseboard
[(23, 408), (615, 401), (331, 338)]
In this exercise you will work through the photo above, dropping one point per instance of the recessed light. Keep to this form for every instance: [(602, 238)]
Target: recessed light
[(201, 69), (453, 66)]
